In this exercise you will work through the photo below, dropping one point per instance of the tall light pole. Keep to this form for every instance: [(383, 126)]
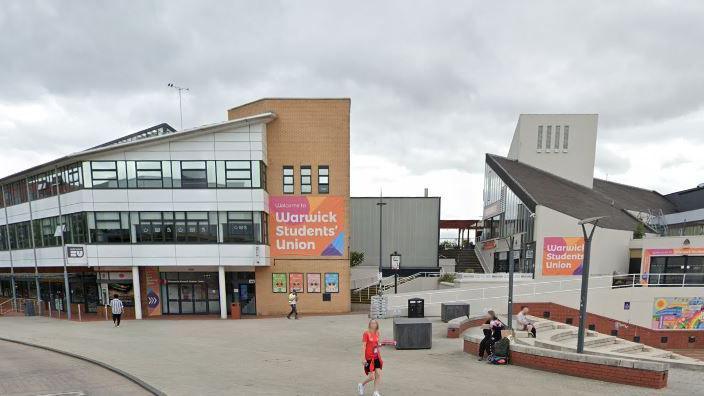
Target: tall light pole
[(585, 277), (180, 109), (510, 278), (380, 204), (60, 229)]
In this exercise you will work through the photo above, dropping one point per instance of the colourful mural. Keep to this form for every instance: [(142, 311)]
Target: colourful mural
[(678, 313)]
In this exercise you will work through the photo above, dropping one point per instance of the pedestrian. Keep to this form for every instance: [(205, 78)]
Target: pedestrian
[(486, 344), (293, 302), (117, 308), (526, 324), (371, 359)]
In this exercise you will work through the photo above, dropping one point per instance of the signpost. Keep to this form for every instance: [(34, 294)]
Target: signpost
[(395, 266)]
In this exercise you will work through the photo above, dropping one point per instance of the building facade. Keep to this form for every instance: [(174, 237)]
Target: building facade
[(190, 222), (545, 185)]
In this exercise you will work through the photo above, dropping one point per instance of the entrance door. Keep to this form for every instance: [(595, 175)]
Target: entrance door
[(247, 299), (187, 298)]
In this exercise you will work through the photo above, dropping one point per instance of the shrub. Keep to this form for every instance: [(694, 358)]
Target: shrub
[(447, 278)]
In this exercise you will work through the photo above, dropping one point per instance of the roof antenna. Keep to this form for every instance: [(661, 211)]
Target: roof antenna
[(180, 109)]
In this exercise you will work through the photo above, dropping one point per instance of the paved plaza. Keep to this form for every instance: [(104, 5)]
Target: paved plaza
[(317, 355), (25, 370)]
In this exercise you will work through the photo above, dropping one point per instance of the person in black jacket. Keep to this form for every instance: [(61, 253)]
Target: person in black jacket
[(487, 341)]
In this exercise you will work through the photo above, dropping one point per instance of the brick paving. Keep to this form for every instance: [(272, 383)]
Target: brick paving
[(317, 355), (26, 370)]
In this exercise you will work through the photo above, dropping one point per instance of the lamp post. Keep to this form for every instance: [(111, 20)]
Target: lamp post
[(510, 278), (395, 266), (585, 276), (380, 204)]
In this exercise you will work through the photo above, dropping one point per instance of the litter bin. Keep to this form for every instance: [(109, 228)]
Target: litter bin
[(416, 308), (29, 308), (235, 311)]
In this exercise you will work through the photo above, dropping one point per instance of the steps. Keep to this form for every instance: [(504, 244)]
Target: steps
[(364, 296), (465, 260)]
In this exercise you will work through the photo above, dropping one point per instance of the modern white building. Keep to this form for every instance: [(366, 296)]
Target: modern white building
[(545, 185), (178, 222)]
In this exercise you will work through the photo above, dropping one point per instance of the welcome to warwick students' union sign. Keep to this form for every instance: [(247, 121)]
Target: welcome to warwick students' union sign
[(307, 226)]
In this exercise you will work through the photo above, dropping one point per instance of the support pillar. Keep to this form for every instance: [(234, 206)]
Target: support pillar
[(223, 292), (137, 293)]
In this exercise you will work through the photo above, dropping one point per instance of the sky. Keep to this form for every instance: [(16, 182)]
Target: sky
[(433, 88)]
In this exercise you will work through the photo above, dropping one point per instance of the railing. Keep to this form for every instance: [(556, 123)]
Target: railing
[(387, 287), (398, 301), (498, 276), (18, 305), (660, 280), (478, 253)]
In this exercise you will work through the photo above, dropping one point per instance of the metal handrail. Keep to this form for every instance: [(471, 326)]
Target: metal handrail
[(440, 296), (409, 278)]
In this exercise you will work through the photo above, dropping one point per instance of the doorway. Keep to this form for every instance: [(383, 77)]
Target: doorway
[(190, 293), (242, 290)]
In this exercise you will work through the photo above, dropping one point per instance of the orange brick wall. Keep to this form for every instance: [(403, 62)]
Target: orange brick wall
[(456, 332), (305, 132), (620, 375), (676, 339)]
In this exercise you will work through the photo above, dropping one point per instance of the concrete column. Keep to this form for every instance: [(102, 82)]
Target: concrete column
[(137, 293), (223, 292)]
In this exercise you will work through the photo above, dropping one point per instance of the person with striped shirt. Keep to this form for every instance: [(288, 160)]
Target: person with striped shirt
[(117, 308)]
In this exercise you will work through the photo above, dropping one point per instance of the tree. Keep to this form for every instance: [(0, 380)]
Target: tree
[(356, 258), (639, 232)]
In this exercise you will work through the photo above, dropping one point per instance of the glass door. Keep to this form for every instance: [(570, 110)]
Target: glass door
[(187, 298), (200, 297), (247, 299)]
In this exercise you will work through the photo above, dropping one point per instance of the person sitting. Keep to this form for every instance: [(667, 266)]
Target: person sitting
[(487, 341), (526, 324)]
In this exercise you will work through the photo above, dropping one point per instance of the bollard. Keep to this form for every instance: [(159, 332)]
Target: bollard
[(79, 313), (106, 313), (48, 304)]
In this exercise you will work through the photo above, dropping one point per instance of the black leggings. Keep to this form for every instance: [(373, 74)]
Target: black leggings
[(116, 318), (294, 311), (486, 346)]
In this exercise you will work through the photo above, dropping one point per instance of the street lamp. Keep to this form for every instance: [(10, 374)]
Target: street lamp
[(585, 276), (395, 266), (380, 204), (511, 240)]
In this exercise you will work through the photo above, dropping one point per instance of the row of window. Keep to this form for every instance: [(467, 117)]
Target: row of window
[(306, 179), (136, 174), (174, 174), (139, 227), (549, 142)]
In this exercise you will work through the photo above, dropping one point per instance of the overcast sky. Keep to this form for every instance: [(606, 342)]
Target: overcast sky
[(433, 87)]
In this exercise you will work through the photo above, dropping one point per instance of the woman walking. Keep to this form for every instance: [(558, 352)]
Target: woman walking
[(371, 359)]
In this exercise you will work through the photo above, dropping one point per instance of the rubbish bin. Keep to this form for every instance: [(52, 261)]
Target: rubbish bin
[(235, 311), (29, 308), (416, 308)]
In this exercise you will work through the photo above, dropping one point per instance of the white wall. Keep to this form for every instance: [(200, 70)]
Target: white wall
[(610, 248), (576, 163)]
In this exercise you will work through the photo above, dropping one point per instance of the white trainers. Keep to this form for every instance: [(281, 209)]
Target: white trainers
[(360, 389), (376, 393)]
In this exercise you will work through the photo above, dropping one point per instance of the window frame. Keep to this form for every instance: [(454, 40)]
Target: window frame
[(306, 188), (324, 187), (292, 177)]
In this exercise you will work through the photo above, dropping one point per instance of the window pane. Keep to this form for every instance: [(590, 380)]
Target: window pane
[(238, 164), (540, 137), (102, 165), (193, 165), (288, 189)]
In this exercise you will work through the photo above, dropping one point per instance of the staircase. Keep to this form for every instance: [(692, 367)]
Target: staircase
[(466, 259), (364, 296)]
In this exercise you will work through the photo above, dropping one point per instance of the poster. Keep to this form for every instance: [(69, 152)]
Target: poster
[(563, 256), (295, 282), (678, 313), (313, 281), (649, 253), (278, 283), (307, 226), (153, 286), (332, 282)]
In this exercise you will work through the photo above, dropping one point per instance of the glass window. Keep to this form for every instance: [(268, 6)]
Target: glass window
[(109, 227), (195, 227), (238, 174), (245, 227), (288, 179), (306, 183), (548, 137), (566, 137), (194, 174), (540, 137), (104, 174), (323, 179), (70, 178), (42, 185), (3, 238), (155, 227), (44, 230), (148, 174), (76, 228), (16, 193), (557, 137), (20, 235)]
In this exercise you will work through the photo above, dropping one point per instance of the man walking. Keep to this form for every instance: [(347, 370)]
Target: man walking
[(293, 301), (117, 308)]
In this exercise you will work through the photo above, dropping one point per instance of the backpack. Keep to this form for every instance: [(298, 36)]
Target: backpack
[(498, 360), (501, 348)]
